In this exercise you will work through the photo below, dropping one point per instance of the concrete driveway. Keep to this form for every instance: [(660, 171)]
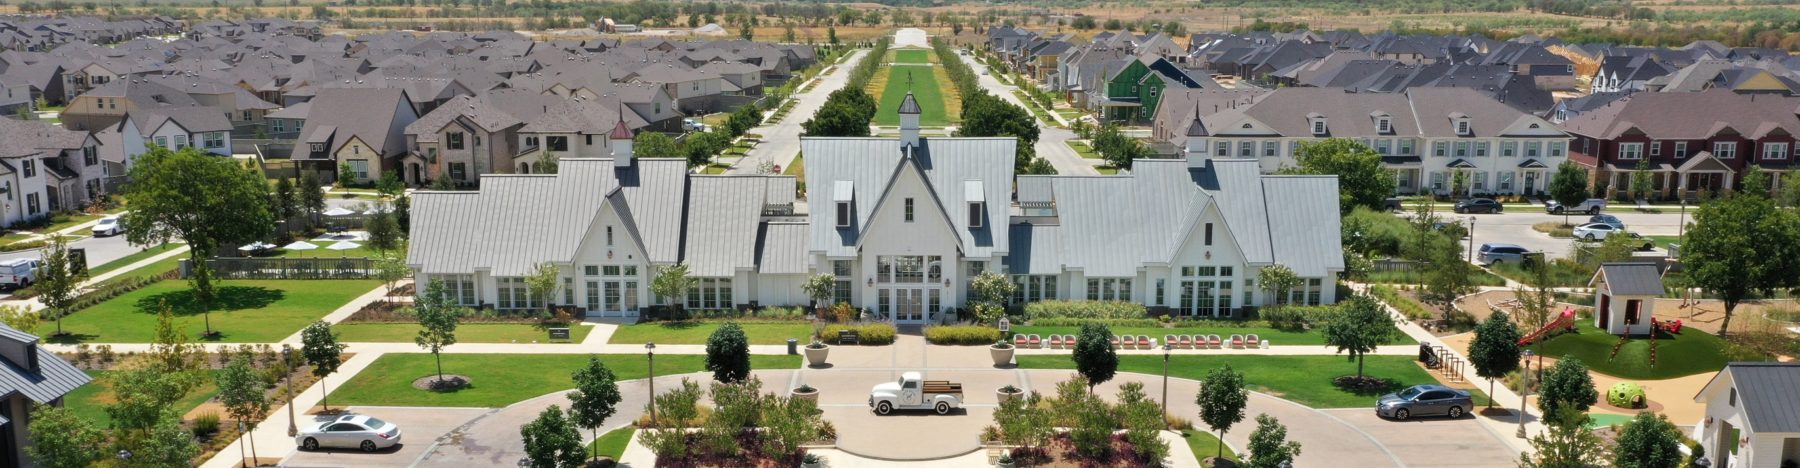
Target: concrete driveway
[(907, 435), (1463, 441), (420, 429)]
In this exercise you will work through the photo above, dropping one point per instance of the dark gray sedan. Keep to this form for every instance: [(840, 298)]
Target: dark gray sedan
[(1424, 400)]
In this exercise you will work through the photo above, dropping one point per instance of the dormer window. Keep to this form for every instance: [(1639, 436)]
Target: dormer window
[(318, 147), (1384, 125), (1462, 124), (1317, 122), (977, 214), (843, 214)]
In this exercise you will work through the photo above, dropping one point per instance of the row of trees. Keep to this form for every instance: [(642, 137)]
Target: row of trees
[(986, 115), (699, 148)]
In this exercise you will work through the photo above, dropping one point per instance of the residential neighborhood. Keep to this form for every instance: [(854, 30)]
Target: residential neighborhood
[(873, 235)]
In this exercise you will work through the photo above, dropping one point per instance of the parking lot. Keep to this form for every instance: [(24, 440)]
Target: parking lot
[(420, 429), (1463, 441), (1514, 226)]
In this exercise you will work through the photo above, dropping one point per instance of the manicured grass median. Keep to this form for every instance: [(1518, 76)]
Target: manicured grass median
[(127, 260), (696, 332), (912, 56), (245, 311), (1276, 337), (367, 332), (1691, 352), (925, 89), (1306, 380), (89, 401), (1204, 444), (612, 443), (503, 379)]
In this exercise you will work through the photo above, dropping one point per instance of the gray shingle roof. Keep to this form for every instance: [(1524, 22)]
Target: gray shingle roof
[(1630, 279)]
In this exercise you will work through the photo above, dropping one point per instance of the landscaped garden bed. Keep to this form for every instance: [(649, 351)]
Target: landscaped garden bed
[(696, 331), (466, 332), (502, 379), (1307, 380), (258, 311)]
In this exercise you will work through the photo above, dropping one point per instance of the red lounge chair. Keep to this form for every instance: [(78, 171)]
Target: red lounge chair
[(1145, 342), (1019, 341), (1252, 342), (1215, 342), (1237, 341), (1171, 340), (1034, 342), (1055, 341), (1187, 341), (1114, 340)]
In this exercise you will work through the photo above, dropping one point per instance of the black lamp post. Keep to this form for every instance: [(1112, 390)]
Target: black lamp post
[(1524, 392), (287, 357), (1165, 390), (650, 353)]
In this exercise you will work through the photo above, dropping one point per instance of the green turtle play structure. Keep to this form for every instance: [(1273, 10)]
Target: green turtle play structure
[(1625, 395)]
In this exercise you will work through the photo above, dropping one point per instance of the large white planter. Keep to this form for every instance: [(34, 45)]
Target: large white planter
[(815, 357), (1002, 356)]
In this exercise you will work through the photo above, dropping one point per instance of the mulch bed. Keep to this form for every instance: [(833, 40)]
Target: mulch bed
[(449, 382), (751, 455), (1060, 453)]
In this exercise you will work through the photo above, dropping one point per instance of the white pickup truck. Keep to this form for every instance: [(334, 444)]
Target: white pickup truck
[(912, 392)]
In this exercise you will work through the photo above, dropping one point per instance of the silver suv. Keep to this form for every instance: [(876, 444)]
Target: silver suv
[(1589, 206), (1494, 254)]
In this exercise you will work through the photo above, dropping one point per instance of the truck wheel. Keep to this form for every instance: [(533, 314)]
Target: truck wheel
[(943, 408), (883, 408)]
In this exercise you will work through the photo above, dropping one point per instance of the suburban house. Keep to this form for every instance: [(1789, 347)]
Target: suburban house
[(1424, 134), (1688, 141), (45, 168), (694, 91), (15, 93), (1131, 93), (1627, 73), (461, 140), (902, 223), (106, 105), (1546, 69), (174, 128), (361, 128), (29, 376), (575, 128), (1625, 297), (1752, 415)]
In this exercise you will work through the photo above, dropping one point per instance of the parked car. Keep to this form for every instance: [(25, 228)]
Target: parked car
[(693, 125), (913, 392), (1478, 205), (1392, 204), (108, 226), (1589, 206), (1608, 220), (1494, 254), (349, 431), (1595, 232), (1424, 400), (18, 273)]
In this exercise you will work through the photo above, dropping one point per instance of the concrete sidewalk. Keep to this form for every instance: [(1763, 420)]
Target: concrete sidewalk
[(271, 436)]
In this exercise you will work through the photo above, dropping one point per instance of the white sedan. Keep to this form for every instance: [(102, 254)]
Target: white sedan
[(108, 226), (1595, 232), (349, 431)]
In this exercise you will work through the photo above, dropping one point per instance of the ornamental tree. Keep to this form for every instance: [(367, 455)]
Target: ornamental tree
[(320, 348), (1741, 245), (1269, 446), (1648, 441), (1495, 350), (241, 391), (551, 441), (596, 397), (1569, 186), (1361, 325), (1094, 356), (1278, 279), (1222, 400), (728, 353), (1362, 179), (58, 279), (437, 322), (1567, 384)]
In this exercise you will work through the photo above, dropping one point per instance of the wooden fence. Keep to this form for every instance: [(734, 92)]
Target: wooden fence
[(287, 268)]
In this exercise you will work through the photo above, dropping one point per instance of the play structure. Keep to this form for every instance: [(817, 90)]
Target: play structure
[(1563, 322), (1626, 395), (1625, 297)]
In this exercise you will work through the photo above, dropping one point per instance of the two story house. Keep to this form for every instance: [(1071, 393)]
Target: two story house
[(461, 140), (1690, 141), (363, 129), (37, 176)]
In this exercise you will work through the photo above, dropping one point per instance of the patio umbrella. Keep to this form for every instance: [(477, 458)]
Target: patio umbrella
[(300, 245), (336, 211), (255, 246), (343, 246)]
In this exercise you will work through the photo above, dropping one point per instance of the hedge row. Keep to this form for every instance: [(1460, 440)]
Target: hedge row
[(962, 335), (1084, 310), (869, 333), (1297, 317)]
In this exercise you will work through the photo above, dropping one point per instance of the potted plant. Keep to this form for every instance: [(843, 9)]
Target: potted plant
[(1002, 352), (1008, 393), (810, 460), (816, 352), (806, 392), (1006, 460)]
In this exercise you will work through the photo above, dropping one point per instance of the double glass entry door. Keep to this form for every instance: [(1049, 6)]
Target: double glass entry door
[(910, 305)]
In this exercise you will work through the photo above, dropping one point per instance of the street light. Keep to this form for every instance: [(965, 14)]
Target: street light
[(1524, 392), (287, 357), (650, 353), (1165, 397), (1471, 239)]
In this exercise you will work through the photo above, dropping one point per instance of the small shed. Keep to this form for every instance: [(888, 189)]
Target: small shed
[(1624, 296)]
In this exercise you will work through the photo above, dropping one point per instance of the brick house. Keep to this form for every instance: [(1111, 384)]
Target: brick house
[(1689, 141)]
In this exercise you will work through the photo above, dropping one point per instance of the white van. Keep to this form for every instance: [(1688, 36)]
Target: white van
[(18, 273)]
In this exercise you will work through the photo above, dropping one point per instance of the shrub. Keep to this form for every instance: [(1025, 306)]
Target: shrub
[(962, 335), (1121, 323), (1296, 317), (1408, 307), (869, 333), (1085, 310), (206, 424)]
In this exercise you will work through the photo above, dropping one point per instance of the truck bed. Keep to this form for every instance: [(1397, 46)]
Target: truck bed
[(931, 387)]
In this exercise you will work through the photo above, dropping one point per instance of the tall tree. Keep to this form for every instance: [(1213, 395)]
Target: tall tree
[(60, 439), (1094, 356), (165, 443), (384, 233), (728, 353), (205, 200), (1222, 400), (1495, 350), (286, 202), (655, 145), (984, 115), (1569, 186), (1269, 447), (1567, 385), (542, 283), (145, 389), (58, 279), (1362, 179), (437, 314), (1648, 441), (1741, 245), (241, 391), (551, 441), (1278, 279), (1360, 325), (596, 397), (1642, 180), (320, 348), (1566, 443)]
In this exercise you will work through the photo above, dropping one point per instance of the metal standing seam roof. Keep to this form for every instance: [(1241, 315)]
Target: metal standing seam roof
[(781, 249), (1769, 392), (1037, 249), (725, 210), (512, 223), (53, 379), (860, 169), (1630, 279), (1304, 223)]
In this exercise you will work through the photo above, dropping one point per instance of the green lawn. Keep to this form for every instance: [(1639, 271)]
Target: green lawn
[(696, 332), (1278, 337), (89, 401), (912, 56), (1306, 380), (925, 89), (1691, 352), (368, 332), (1663, 242), (130, 259), (245, 311), (1204, 444), (613, 442), (1481, 278), (502, 379), (1082, 148)]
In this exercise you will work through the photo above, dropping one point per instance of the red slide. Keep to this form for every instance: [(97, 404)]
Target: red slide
[(1566, 321)]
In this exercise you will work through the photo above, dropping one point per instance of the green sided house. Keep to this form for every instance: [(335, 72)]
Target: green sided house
[(1132, 91)]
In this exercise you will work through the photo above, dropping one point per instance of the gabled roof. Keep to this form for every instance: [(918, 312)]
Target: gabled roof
[(865, 167), (1768, 392), (1629, 279), (52, 379)]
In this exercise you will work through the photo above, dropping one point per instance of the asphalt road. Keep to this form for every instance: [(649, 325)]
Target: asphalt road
[(1052, 141), (1514, 226), (781, 142)]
